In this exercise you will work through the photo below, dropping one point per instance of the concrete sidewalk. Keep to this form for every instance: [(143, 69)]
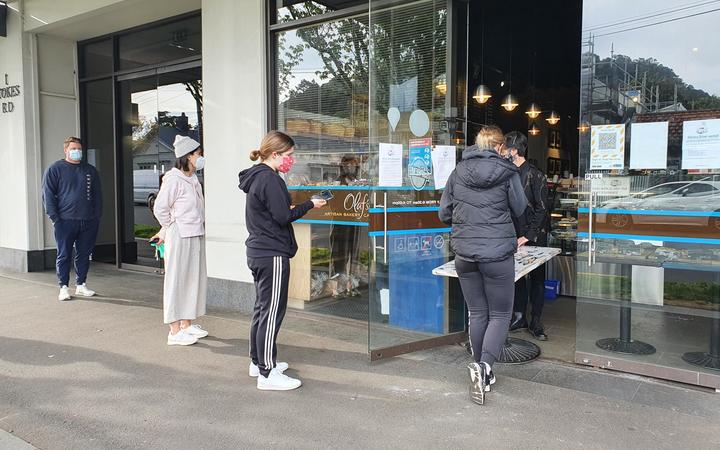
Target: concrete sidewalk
[(96, 373)]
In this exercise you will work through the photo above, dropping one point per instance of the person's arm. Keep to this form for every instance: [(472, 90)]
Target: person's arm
[(97, 195), (163, 204), (538, 205), (445, 212), (276, 201), (49, 194), (516, 196)]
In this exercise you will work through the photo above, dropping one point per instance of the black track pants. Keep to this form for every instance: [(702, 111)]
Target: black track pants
[(271, 275)]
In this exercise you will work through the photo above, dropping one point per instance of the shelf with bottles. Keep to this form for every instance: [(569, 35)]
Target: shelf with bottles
[(563, 201)]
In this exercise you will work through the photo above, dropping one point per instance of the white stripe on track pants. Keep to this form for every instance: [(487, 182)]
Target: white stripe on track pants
[(271, 275)]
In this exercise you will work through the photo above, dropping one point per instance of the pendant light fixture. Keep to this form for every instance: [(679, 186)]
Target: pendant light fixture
[(553, 119), (533, 111), (534, 130), (510, 102), (482, 93)]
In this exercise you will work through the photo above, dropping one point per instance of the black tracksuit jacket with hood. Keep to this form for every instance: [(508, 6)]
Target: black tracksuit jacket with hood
[(268, 213)]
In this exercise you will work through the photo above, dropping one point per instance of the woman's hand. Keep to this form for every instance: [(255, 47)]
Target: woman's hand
[(159, 238), (318, 202)]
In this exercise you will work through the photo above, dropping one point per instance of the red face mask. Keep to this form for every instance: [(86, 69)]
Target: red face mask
[(286, 164)]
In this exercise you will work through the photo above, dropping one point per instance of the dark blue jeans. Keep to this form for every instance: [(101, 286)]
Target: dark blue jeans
[(80, 234)]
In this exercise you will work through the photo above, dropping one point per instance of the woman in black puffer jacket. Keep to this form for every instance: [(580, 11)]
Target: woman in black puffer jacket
[(481, 194)]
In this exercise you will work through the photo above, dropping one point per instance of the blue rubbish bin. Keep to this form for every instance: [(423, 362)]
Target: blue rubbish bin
[(552, 290)]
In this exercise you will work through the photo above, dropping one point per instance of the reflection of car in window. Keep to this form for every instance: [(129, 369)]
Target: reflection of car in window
[(656, 204)]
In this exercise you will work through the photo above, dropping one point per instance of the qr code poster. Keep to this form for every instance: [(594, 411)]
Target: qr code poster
[(607, 147)]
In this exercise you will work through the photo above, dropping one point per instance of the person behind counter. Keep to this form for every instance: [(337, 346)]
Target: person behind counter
[(270, 245), (481, 195), (531, 229)]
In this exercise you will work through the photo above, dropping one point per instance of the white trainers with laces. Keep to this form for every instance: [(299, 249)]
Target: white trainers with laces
[(83, 291), (277, 381), (254, 370), (196, 330), (181, 338), (64, 294)]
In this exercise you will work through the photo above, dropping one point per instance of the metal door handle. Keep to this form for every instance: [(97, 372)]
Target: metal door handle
[(591, 241), (384, 246)]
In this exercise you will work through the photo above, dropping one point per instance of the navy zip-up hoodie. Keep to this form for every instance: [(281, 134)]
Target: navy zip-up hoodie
[(268, 213), (72, 192)]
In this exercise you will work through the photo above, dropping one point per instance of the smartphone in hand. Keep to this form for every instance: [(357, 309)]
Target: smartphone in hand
[(323, 195)]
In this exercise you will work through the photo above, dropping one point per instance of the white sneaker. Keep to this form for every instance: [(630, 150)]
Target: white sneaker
[(181, 338), (254, 370), (64, 294), (277, 381), (83, 291), (196, 330)]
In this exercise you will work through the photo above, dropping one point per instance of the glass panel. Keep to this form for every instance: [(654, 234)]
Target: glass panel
[(649, 260), (169, 42), (154, 110), (411, 98), (141, 168), (97, 58), (99, 145), (322, 103), (289, 10)]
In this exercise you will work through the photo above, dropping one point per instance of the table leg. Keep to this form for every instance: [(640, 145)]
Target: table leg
[(625, 343), (711, 359)]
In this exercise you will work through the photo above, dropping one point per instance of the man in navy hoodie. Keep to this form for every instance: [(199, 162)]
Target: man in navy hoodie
[(73, 201)]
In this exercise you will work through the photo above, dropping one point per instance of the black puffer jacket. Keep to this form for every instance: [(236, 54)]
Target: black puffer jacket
[(478, 200)]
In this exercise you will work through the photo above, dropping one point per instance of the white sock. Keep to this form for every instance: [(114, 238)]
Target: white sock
[(518, 316)]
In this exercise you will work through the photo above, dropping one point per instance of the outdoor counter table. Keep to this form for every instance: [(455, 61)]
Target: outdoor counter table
[(527, 259)]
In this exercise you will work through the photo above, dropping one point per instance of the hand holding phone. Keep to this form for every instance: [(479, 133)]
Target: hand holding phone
[(323, 195)]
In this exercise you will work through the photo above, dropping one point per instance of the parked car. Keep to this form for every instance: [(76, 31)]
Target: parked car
[(146, 184), (694, 197)]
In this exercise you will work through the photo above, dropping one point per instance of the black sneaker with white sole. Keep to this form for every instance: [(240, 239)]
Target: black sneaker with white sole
[(478, 385), (489, 377)]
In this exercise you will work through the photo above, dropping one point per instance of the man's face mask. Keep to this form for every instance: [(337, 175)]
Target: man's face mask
[(75, 154)]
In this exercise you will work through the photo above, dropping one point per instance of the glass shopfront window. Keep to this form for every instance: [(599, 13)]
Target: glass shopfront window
[(648, 264), (322, 102), (326, 101)]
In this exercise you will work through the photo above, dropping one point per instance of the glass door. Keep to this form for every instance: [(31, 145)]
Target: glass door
[(647, 264), (416, 122), (155, 107)]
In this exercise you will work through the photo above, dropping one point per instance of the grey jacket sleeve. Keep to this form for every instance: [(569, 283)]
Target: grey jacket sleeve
[(516, 196), (445, 212)]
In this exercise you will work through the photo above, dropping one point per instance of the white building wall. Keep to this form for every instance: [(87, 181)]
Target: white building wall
[(234, 98), (14, 236)]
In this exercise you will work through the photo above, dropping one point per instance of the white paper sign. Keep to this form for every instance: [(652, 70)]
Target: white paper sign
[(390, 165), (611, 186), (701, 144), (648, 145), (443, 160), (607, 147)]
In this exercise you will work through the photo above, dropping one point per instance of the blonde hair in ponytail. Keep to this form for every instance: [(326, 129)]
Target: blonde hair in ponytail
[(489, 137), (273, 142)]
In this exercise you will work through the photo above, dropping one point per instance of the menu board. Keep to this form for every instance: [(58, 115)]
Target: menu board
[(607, 147), (701, 144)]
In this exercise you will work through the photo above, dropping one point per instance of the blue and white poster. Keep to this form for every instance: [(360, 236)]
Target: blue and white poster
[(420, 163)]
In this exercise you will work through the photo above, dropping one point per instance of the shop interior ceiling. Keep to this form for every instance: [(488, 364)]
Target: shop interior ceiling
[(546, 48)]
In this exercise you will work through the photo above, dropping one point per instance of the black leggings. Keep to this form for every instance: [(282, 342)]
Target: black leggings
[(489, 291)]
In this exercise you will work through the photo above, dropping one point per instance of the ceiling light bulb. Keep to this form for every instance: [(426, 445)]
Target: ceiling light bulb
[(482, 94), (553, 118), (509, 102), (533, 111)]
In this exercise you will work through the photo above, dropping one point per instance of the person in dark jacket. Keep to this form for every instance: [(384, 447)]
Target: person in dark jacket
[(480, 198), (73, 201), (270, 245), (531, 229)]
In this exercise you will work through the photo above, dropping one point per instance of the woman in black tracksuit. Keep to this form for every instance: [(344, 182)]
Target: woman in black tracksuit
[(480, 198), (270, 245)]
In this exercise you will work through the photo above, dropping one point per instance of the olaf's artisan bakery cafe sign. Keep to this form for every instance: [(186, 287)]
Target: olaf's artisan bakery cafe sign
[(7, 93)]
